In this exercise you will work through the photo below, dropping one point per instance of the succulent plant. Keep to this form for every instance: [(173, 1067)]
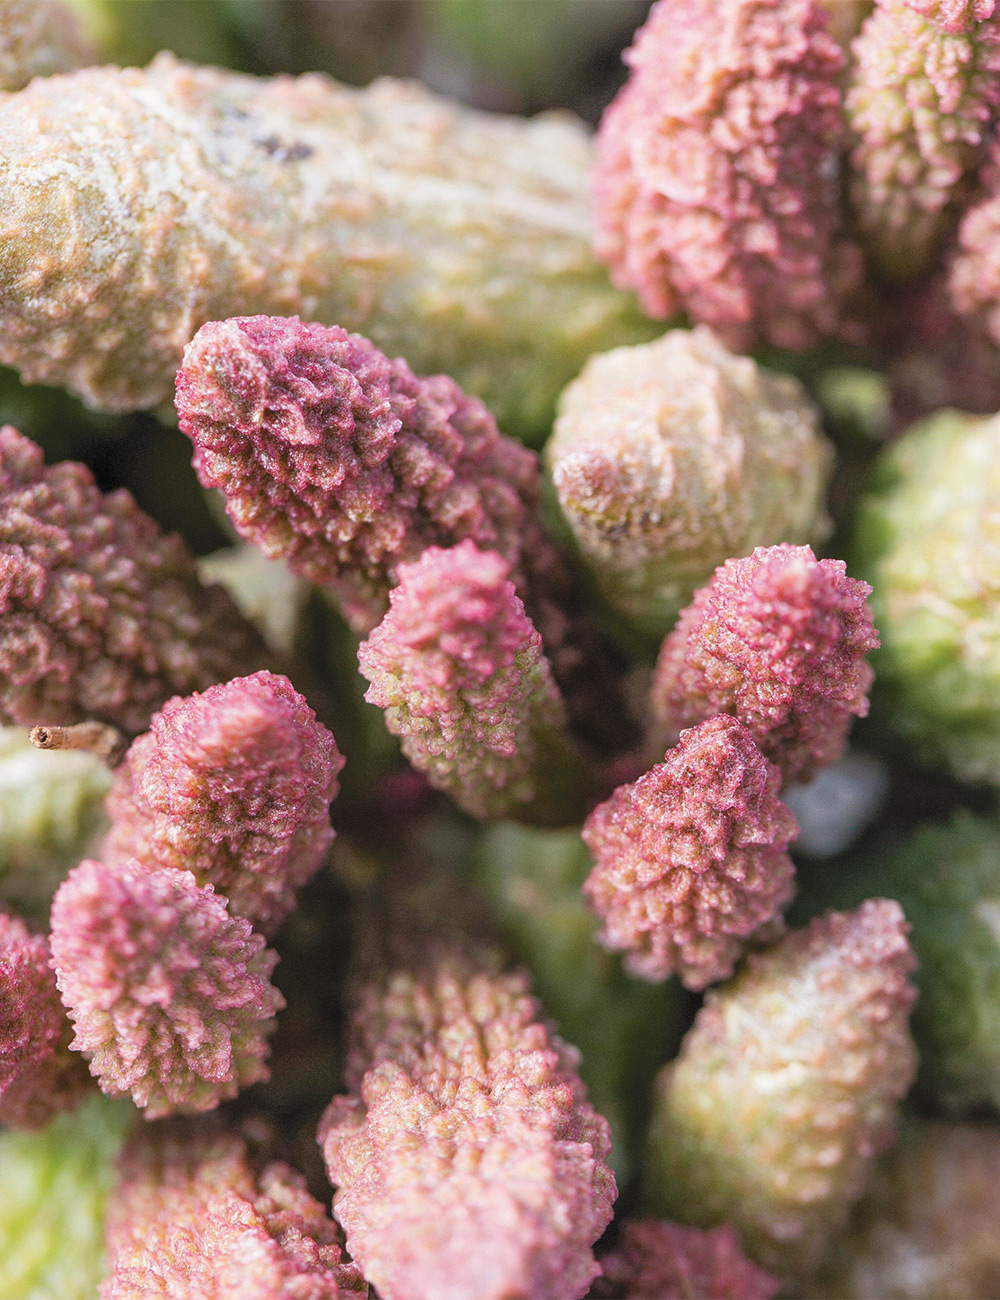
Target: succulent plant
[(786, 1087), (669, 457)]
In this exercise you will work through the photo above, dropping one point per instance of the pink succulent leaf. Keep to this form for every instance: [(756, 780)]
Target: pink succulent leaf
[(691, 860), (191, 1218), (103, 616), (234, 785), (468, 1163), (459, 669), (715, 183), (38, 1076), (778, 640), (169, 994)]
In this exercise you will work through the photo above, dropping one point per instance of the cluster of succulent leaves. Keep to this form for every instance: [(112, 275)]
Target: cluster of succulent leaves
[(598, 681)]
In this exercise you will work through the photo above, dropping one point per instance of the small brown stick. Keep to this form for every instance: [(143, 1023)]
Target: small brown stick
[(94, 737)]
